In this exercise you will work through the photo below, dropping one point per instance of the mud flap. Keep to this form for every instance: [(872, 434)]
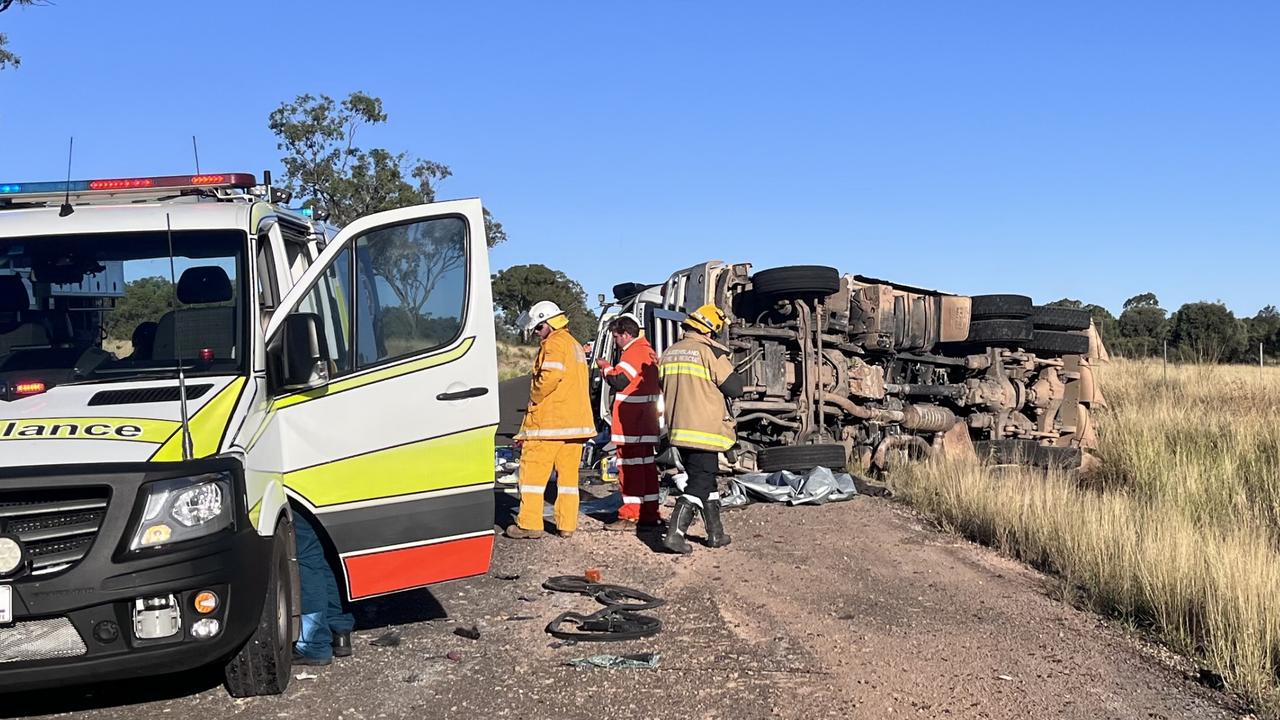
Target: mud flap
[(955, 445)]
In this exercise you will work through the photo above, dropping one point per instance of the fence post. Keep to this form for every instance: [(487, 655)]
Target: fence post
[(1166, 363)]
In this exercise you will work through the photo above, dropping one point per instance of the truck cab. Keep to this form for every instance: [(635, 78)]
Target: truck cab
[(185, 366)]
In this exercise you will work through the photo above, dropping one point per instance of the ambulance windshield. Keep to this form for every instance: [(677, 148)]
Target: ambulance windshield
[(102, 307)]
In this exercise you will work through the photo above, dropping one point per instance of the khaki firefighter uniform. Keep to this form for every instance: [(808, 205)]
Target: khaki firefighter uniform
[(558, 421), (692, 372)]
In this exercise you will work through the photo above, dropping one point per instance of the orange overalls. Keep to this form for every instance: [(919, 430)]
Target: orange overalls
[(557, 423), (635, 429)]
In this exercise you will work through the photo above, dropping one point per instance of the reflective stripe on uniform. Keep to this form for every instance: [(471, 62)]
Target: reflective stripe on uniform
[(531, 489), (557, 432), (697, 437), (630, 500), (569, 490), (651, 498), (633, 439), (637, 461), (714, 496), (626, 368), (623, 397), (684, 368), (552, 365)]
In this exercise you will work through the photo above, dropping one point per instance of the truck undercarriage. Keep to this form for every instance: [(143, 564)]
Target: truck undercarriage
[(845, 370)]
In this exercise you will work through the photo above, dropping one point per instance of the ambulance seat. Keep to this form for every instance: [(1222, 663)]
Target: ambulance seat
[(185, 332)]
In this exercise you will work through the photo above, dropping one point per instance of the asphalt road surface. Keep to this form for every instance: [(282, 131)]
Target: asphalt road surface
[(847, 610)]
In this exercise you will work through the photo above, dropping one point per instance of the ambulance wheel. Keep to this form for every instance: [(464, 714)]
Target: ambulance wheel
[(263, 666)]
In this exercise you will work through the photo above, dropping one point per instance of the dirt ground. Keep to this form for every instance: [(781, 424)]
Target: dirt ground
[(850, 610)]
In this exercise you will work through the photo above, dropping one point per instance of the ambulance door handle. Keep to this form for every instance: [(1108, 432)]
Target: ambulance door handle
[(464, 394)]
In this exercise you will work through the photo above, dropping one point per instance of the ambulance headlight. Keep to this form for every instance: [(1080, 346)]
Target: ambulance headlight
[(183, 509)]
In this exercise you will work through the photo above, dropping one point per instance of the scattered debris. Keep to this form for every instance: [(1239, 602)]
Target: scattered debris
[(615, 662), (1211, 679), (506, 577), (471, 633), (453, 656), (305, 676), (1004, 677), (412, 678), (619, 620), (518, 618), (390, 638)]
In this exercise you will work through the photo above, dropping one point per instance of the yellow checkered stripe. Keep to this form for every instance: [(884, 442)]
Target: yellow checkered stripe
[(697, 438), (684, 368)]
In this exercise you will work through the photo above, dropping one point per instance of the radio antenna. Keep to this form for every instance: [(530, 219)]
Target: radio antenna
[(177, 349), (66, 208), (196, 151)]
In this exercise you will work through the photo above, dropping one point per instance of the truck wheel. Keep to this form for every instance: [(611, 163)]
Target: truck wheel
[(1001, 307), (1000, 332), (802, 458), (797, 282), (1060, 318), (622, 291), (263, 665), (1050, 342)]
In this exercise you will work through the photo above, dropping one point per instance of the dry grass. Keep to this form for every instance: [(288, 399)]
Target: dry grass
[(515, 360), (1178, 533)]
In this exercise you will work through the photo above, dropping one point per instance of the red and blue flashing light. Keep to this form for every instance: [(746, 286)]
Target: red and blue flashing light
[(223, 180)]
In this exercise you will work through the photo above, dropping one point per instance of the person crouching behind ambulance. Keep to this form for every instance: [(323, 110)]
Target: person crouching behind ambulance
[(634, 423), (697, 376), (556, 425)]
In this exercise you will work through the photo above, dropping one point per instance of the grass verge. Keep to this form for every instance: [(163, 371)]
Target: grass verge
[(1177, 533)]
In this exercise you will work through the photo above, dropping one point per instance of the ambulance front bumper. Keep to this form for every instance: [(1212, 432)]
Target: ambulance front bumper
[(113, 614)]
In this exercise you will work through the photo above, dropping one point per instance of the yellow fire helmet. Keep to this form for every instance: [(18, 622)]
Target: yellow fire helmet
[(707, 319)]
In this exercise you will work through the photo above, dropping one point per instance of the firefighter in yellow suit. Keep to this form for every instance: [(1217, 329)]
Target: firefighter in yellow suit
[(556, 425)]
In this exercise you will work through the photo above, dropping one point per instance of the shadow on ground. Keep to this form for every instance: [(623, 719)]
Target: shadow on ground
[(81, 698)]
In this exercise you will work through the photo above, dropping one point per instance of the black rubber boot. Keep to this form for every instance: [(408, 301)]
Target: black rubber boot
[(342, 645), (681, 518), (716, 536)]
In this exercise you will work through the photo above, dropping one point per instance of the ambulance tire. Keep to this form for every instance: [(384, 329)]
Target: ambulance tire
[(265, 663)]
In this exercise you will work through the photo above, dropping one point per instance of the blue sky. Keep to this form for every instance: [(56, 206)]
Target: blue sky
[(932, 143)]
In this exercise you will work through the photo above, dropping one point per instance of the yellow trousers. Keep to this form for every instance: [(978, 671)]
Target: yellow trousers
[(537, 459)]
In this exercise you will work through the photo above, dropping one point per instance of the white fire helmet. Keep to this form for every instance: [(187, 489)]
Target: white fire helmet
[(541, 312)]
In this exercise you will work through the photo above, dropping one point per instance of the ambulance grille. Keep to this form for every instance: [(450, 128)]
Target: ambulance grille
[(56, 526), (34, 640), (137, 396)]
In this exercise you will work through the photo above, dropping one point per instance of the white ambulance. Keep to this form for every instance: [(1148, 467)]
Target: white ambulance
[(185, 365)]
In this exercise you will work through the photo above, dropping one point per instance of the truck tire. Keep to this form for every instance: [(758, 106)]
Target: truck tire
[(1051, 342), (802, 458), (1000, 332), (797, 282), (1001, 307), (263, 666), (622, 291), (1060, 318)]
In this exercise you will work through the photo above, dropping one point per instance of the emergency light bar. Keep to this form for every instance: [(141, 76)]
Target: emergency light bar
[(177, 182)]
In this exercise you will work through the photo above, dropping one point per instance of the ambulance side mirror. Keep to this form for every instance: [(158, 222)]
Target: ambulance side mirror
[(304, 352)]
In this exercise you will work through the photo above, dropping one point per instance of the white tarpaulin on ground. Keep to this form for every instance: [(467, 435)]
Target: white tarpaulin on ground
[(818, 486)]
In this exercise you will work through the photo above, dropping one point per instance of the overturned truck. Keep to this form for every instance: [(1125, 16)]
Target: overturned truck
[(851, 371)]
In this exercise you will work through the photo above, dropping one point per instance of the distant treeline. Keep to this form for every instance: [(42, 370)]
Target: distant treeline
[(1196, 332)]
